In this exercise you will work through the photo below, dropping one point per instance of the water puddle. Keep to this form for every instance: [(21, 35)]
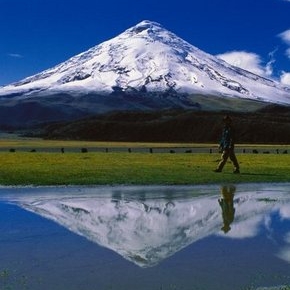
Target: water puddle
[(152, 237)]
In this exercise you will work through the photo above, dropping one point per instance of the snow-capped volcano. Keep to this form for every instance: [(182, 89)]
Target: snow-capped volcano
[(145, 59)]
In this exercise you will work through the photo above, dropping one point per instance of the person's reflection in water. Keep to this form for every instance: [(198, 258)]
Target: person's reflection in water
[(227, 205)]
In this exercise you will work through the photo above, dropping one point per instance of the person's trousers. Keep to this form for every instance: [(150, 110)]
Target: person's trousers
[(228, 153)]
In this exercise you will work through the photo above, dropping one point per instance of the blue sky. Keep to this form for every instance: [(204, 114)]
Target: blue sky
[(38, 34)]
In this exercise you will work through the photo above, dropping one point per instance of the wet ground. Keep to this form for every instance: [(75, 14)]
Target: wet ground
[(154, 237)]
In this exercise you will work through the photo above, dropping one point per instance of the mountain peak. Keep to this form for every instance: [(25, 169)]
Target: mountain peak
[(145, 25), (151, 31)]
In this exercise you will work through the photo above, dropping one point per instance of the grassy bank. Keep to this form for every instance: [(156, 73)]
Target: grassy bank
[(23, 168)]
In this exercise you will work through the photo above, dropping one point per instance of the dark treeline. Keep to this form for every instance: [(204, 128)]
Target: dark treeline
[(270, 125)]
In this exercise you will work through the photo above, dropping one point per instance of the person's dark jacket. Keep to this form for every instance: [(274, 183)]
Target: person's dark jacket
[(228, 138)]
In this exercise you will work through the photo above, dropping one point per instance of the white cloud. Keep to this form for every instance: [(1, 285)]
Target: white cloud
[(285, 254), (249, 61), (15, 55), (285, 36), (270, 63), (253, 62), (285, 210), (285, 78)]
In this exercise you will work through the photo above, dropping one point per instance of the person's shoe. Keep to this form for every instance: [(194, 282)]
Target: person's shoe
[(217, 170), (236, 171)]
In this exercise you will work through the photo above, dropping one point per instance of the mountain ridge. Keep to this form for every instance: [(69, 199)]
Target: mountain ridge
[(144, 68)]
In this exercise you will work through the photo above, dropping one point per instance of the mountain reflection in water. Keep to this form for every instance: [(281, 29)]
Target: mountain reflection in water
[(148, 224)]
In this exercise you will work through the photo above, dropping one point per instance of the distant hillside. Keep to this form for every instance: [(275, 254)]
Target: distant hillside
[(270, 125)]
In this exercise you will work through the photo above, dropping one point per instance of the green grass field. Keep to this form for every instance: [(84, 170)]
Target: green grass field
[(48, 168)]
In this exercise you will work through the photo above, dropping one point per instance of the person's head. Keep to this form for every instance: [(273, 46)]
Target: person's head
[(226, 228), (227, 120)]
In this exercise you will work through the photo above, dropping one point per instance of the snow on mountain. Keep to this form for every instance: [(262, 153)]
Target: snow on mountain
[(147, 225), (148, 58)]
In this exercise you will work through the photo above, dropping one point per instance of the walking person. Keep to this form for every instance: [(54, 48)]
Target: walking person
[(227, 146)]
